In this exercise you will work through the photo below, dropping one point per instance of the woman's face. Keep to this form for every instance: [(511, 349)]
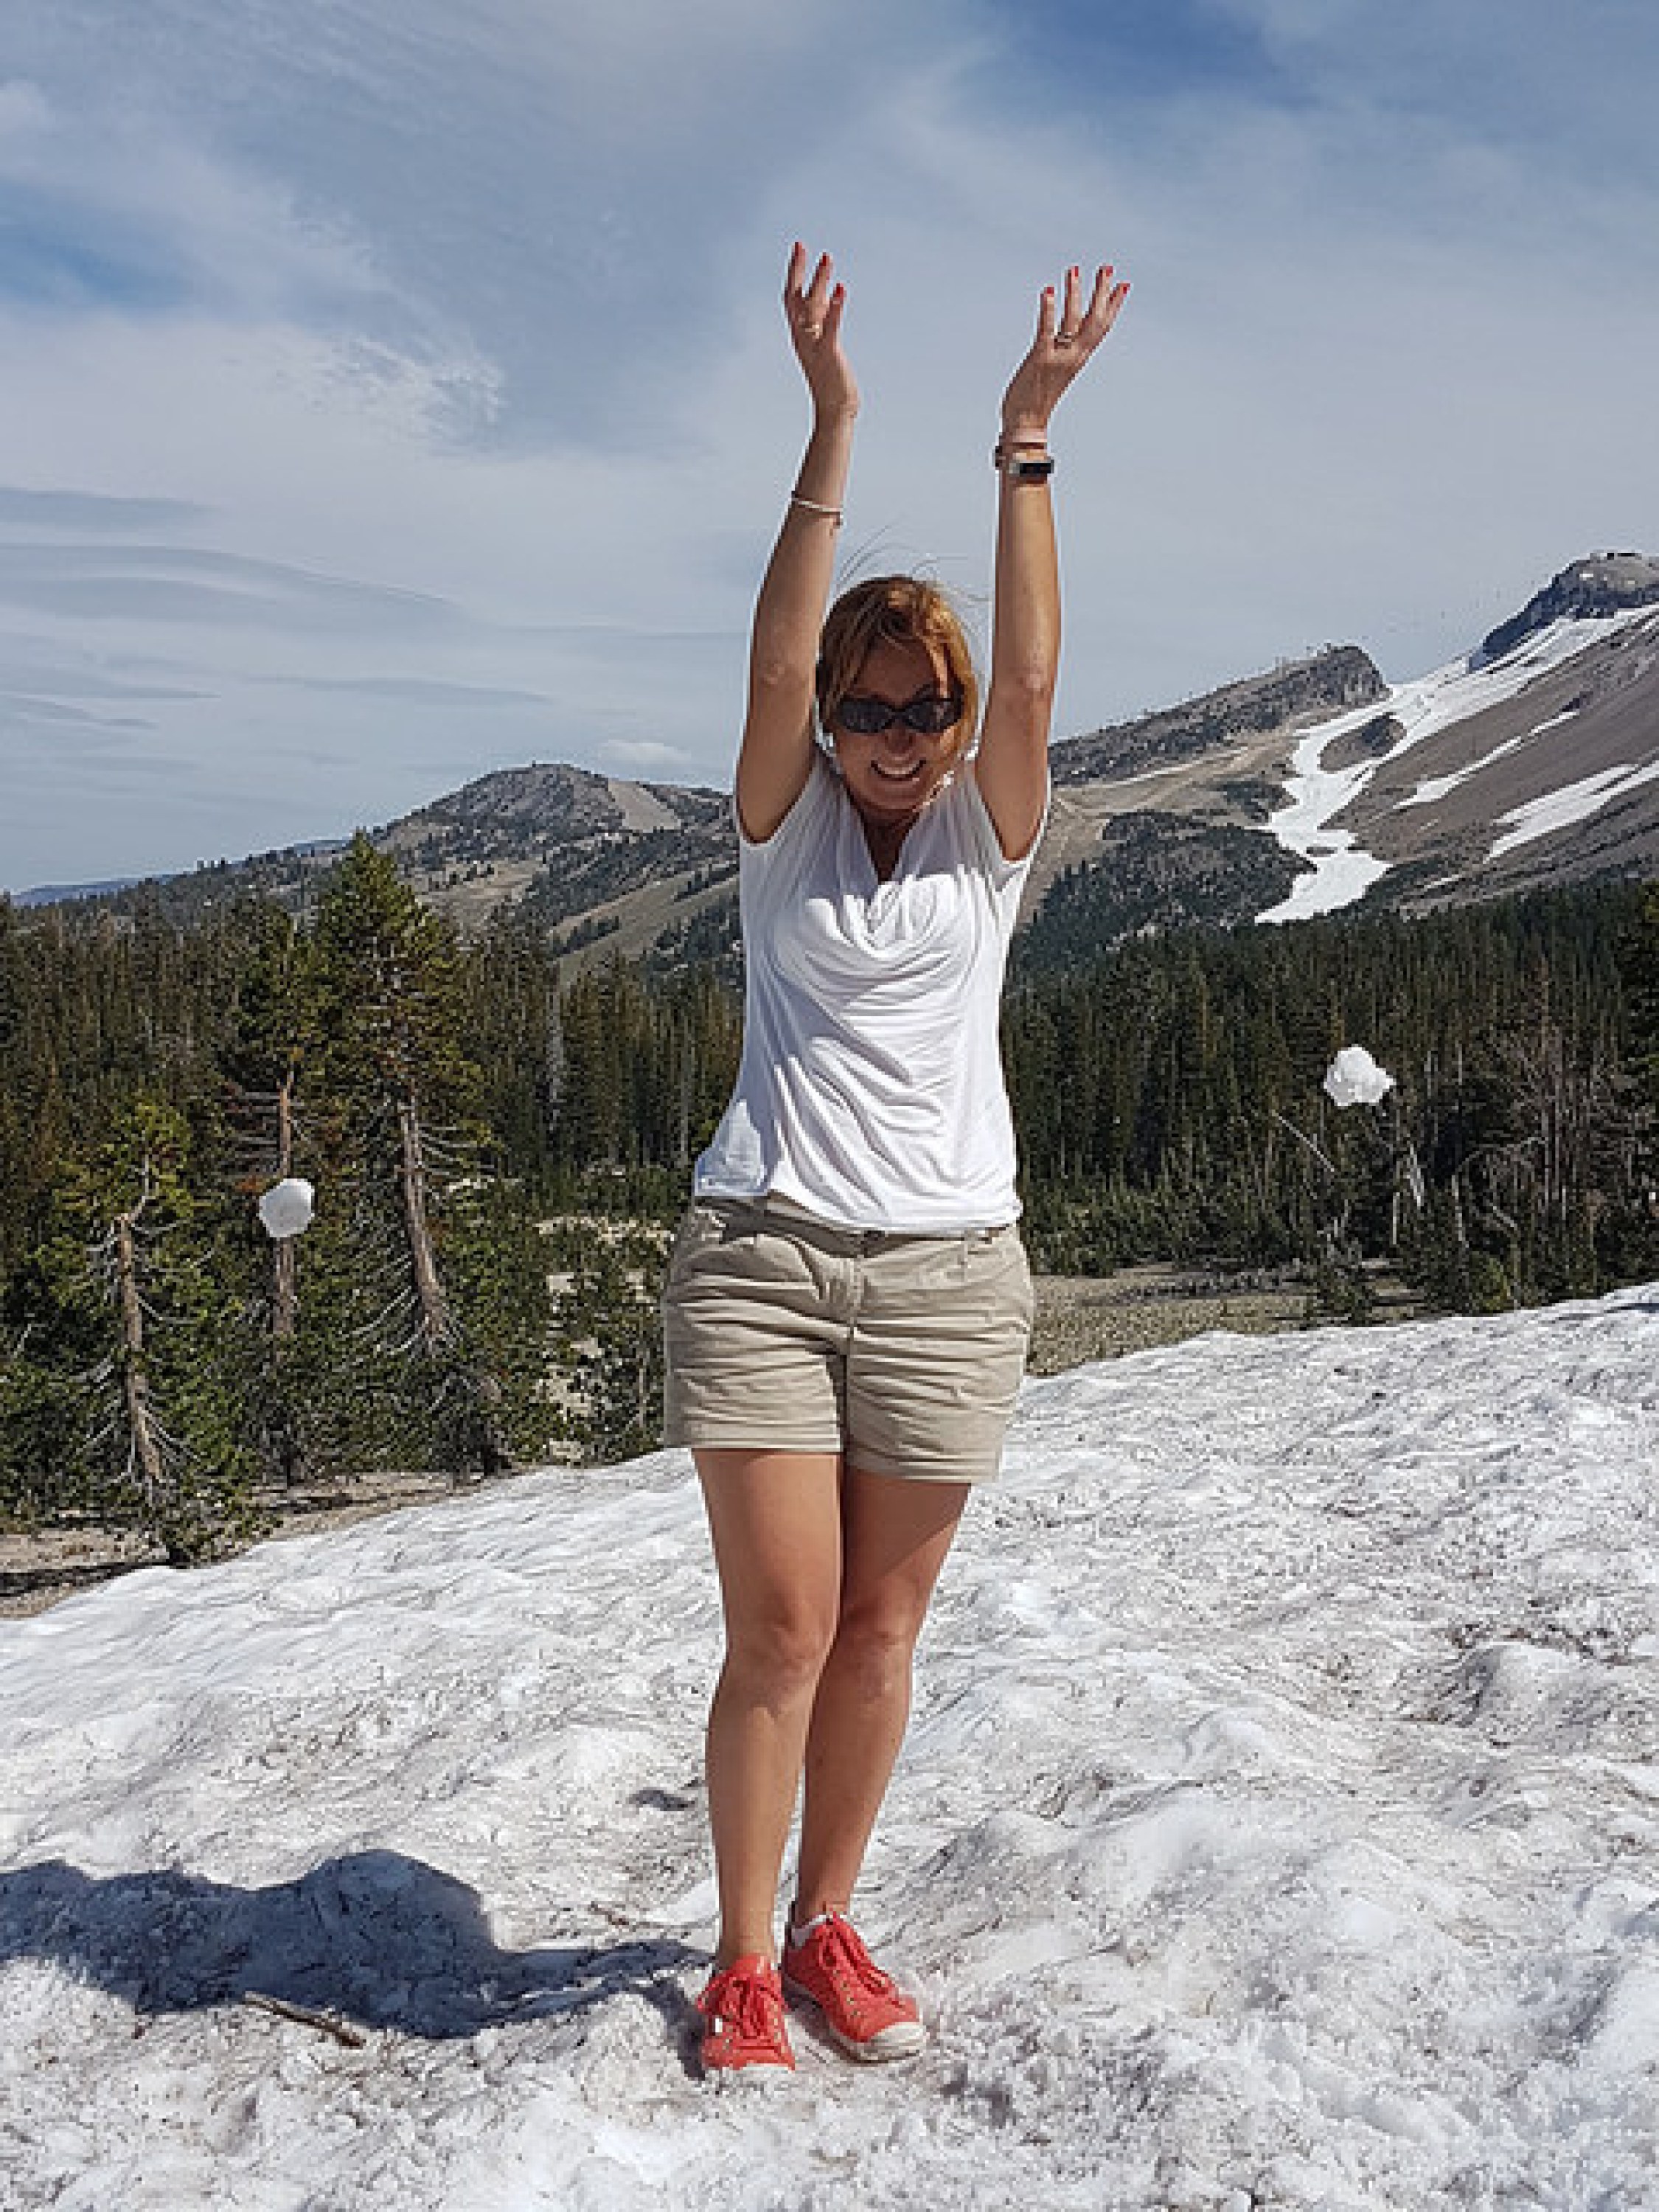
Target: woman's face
[(892, 773)]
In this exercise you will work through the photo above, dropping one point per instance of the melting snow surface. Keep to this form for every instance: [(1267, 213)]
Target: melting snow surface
[(1574, 802), (1278, 1826), (1434, 788), (1341, 870)]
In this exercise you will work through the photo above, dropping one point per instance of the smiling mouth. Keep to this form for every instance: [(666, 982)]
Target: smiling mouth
[(898, 774)]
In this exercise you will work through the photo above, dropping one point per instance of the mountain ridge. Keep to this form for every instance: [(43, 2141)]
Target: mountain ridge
[(1533, 759)]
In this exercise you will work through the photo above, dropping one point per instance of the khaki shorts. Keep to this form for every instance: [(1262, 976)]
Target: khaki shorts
[(786, 1334)]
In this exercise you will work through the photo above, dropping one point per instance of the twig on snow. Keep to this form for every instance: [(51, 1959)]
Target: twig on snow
[(353, 2037)]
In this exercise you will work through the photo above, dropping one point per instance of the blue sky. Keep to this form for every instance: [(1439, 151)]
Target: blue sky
[(396, 392)]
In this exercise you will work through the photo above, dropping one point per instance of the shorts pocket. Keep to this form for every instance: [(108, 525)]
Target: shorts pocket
[(1001, 1272), (704, 1226), (728, 1243)]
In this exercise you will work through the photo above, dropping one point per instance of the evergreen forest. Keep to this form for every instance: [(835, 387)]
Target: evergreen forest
[(499, 1140)]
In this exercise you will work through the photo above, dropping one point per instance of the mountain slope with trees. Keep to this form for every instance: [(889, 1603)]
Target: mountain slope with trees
[(499, 1144), (498, 1099)]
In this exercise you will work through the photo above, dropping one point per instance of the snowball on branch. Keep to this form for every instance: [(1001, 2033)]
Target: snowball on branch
[(1353, 1078), (286, 1207)]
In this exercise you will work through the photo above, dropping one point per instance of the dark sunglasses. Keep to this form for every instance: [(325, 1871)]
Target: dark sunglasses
[(933, 714)]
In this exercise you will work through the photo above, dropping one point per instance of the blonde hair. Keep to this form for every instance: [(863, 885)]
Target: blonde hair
[(894, 611)]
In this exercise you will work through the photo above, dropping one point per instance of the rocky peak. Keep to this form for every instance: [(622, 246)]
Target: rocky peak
[(1600, 584), (1297, 691), (539, 795), (551, 800)]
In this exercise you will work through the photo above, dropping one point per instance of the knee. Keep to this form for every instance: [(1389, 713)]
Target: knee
[(779, 1652), (876, 1643)]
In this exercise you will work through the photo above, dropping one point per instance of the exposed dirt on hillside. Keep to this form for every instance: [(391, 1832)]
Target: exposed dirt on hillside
[(1080, 1317), (37, 1570)]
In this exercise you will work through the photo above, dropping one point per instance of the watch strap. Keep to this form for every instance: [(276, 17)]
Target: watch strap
[(1022, 466)]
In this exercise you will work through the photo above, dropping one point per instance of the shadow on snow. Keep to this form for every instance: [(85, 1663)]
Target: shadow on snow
[(374, 1937)]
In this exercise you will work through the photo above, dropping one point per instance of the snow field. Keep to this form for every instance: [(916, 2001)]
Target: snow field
[(1278, 1826)]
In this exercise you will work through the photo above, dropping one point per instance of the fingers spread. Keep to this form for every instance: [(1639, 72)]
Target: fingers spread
[(798, 289), (1078, 329), (1104, 301)]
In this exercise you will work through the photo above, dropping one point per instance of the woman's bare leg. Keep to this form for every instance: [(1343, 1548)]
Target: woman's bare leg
[(896, 1534), (776, 1519)]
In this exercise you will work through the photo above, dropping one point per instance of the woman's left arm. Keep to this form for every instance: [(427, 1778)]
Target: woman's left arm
[(1011, 766)]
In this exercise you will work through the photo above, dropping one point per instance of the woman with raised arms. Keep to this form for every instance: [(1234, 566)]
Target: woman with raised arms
[(849, 1300)]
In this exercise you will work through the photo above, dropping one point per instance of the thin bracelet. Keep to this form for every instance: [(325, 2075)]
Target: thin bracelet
[(813, 507)]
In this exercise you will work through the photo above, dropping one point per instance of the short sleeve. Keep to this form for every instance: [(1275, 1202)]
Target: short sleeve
[(1002, 872), (816, 794)]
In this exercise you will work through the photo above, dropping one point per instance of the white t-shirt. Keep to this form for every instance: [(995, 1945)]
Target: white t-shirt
[(871, 1089)]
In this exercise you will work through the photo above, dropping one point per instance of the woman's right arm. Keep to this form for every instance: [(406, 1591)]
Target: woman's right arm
[(775, 756)]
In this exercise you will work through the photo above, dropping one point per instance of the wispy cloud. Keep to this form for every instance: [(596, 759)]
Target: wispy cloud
[(25, 710), (412, 692), (177, 585), (21, 509)]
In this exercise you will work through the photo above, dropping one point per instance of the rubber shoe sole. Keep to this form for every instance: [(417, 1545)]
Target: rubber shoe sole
[(748, 2080), (904, 2039)]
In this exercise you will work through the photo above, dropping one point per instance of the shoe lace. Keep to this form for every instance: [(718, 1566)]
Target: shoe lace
[(751, 2004), (847, 1960)]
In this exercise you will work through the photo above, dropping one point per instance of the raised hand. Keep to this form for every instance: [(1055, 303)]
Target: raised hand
[(1067, 333), (813, 309)]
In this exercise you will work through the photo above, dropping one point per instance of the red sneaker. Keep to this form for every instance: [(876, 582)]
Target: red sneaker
[(863, 2009), (744, 2026)]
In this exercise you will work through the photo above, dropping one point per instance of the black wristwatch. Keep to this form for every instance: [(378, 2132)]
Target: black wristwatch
[(1022, 468)]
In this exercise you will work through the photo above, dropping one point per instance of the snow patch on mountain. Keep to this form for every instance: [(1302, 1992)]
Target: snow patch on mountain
[(1574, 802), (1340, 870), (1437, 788)]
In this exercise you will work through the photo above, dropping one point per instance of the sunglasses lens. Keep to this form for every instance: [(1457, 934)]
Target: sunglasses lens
[(867, 718), (864, 717)]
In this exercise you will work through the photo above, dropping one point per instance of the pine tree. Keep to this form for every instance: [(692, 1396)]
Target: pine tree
[(264, 1062), (126, 1390), (442, 1314)]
